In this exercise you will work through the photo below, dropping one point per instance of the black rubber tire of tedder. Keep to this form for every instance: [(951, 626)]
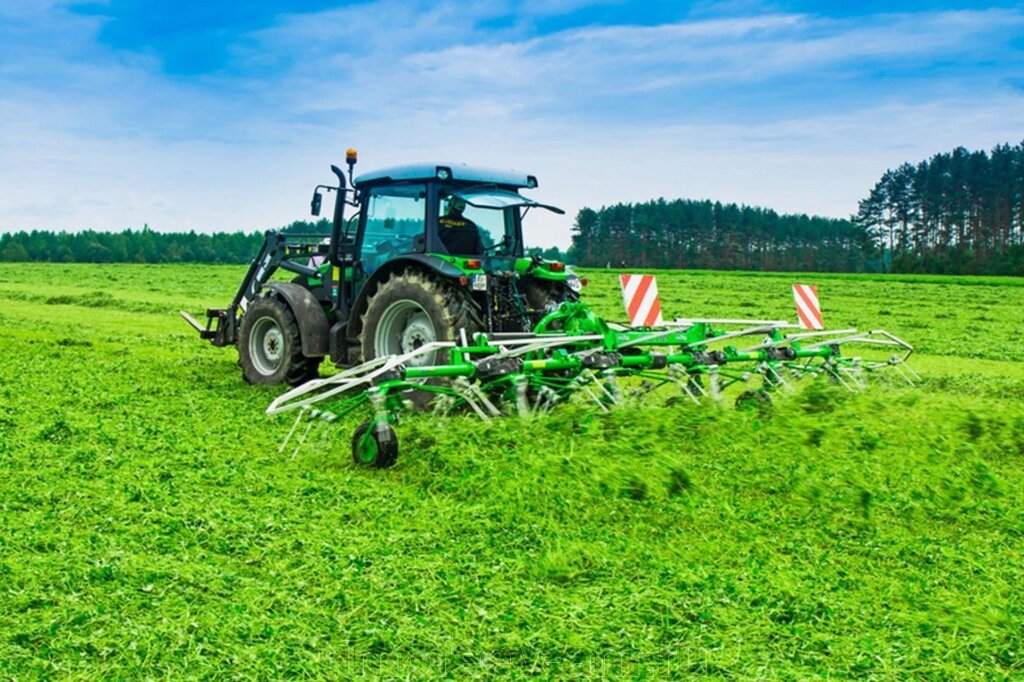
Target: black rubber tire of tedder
[(411, 308), (270, 347), (377, 448)]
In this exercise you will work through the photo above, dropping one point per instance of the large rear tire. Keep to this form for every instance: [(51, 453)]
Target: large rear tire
[(411, 309), (270, 347)]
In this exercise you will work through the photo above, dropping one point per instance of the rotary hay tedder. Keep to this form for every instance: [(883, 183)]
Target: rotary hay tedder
[(574, 355)]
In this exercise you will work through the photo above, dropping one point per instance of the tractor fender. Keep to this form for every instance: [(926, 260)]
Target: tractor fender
[(308, 313), (418, 261)]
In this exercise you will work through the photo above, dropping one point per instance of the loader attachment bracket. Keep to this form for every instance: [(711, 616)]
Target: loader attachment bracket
[(224, 333)]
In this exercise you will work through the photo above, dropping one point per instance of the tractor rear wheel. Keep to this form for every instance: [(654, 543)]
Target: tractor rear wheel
[(411, 309), (270, 347)]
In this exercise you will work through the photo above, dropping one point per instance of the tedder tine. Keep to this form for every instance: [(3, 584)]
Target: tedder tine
[(522, 403), (913, 373), (302, 439), (716, 383), (904, 375), (291, 431)]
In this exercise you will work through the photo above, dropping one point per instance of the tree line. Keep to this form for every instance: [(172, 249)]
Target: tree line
[(711, 235), (957, 212), (141, 246)]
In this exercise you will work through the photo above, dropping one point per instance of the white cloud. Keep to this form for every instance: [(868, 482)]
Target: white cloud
[(632, 58)]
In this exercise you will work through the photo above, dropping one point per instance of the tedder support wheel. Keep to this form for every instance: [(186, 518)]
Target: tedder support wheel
[(375, 444), (269, 345), (410, 309)]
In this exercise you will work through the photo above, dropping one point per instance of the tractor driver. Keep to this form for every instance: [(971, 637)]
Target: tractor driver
[(459, 234)]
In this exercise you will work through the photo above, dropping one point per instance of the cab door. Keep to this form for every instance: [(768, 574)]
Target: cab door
[(393, 224)]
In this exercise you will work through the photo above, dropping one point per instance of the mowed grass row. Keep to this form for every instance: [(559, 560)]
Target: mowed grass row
[(150, 528)]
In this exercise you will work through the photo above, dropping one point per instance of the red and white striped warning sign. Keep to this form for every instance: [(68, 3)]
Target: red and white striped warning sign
[(807, 307), (640, 296)]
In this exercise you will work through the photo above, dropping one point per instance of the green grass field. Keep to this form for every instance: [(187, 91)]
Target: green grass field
[(150, 529)]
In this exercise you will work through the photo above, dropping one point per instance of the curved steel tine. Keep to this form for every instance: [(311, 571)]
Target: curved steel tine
[(464, 388), (302, 440), (716, 386)]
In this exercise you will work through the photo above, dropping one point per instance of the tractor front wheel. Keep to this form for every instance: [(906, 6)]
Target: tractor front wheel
[(270, 347)]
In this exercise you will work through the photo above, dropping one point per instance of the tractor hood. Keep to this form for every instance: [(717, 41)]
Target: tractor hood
[(499, 199)]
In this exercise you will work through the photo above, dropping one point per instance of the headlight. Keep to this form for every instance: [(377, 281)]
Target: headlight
[(572, 280)]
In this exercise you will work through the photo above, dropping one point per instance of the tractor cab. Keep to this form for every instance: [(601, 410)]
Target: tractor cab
[(408, 210)]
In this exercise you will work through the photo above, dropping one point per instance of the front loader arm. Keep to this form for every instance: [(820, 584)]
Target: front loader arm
[(277, 251)]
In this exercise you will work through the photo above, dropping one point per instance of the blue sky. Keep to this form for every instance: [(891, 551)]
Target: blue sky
[(203, 115)]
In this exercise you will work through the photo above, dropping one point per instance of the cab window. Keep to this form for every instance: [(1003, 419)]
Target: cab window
[(395, 219)]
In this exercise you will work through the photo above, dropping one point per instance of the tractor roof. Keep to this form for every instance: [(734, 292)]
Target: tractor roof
[(448, 171)]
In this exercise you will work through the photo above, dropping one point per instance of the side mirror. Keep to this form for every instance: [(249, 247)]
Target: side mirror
[(314, 206)]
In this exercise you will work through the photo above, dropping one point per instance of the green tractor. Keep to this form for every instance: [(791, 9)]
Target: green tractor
[(431, 253)]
